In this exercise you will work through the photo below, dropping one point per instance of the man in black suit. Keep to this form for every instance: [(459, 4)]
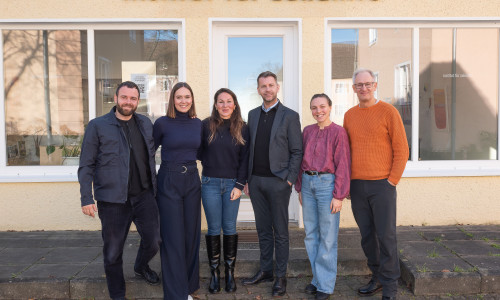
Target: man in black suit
[(275, 158)]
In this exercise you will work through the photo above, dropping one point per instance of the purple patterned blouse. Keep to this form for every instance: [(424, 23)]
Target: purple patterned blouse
[(327, 150)]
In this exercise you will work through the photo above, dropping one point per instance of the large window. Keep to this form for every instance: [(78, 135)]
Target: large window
[(57, 77), (46, 95), (443, 79), (459, 92)]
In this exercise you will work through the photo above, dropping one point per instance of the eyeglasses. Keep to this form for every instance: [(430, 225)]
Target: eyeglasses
[(367, 85)]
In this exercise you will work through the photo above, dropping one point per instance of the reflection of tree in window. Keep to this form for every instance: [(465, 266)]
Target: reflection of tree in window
[(45, 77)]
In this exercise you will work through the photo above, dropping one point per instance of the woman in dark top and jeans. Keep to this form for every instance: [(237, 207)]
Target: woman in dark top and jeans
[(179, 134), (225, 164)]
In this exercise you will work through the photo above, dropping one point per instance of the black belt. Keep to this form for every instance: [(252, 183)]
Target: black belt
[(313, 173), (177, 168)]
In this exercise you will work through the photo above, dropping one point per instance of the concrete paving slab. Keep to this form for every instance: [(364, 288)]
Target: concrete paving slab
[(35, 289), (9, 272), (71, 255), (51, 272), (446, 236), (74, 242), (489, 269), (22, 256), (49, 242), (90, 280), (91, 272), (351, 262), (28, 234), (487, 236), (408, 235), (89, 289), (78, 234), (423, 249), (242, 255), (472, 247), (351, 241), (439, 276), (424, 264), (349, 230), (138, 288), (25, 243), (495, 228)]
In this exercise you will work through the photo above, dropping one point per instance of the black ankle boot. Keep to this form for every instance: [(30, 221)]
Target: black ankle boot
[(230, 249), (213, 251)]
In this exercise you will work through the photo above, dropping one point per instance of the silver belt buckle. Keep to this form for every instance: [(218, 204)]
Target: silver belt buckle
[(184, 169)]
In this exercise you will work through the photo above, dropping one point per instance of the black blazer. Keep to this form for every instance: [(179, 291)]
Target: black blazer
[(285, 146)]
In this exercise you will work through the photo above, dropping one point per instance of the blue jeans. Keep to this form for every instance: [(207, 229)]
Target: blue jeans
[(221, 212), (322, 228)]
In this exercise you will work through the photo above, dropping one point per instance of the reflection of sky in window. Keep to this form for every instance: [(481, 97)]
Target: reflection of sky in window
[(247, 58), (160, 35), (345, 36)]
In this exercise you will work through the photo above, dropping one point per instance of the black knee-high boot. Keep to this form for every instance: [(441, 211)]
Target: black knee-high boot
[(230, 249), (213, 250)]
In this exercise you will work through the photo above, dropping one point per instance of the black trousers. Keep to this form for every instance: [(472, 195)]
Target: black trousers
[(374, 208), (179, 202), (270, 197), (116, 219)]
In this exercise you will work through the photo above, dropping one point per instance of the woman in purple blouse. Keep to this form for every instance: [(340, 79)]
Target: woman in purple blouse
[(322, 185)]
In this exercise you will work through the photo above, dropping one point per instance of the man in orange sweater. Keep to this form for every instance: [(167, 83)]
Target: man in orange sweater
[(379, 152)]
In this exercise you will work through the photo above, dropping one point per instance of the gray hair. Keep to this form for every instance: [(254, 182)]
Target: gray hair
[(361, 70)]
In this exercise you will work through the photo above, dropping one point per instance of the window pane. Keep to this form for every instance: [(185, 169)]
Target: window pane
[(150, 58), (247, 58), (46, 100), (147, 57), (385, 51), (458, 94)]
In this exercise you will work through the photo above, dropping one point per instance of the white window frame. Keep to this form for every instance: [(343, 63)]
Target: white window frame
[(414, 167), (69, 173), (397, 77), (372, 36)]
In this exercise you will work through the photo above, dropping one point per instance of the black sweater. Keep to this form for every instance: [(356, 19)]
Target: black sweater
[(223, 157)]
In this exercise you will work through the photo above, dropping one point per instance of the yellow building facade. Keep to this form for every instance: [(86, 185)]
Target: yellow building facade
[(437, 62)]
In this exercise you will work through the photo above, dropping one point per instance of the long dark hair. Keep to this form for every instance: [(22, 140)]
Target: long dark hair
[(171, 100), (236, 122)]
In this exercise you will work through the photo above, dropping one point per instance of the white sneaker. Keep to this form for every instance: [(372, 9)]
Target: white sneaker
[(189, 297)]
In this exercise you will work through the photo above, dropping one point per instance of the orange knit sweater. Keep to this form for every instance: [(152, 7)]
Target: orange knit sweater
[(379, 148)]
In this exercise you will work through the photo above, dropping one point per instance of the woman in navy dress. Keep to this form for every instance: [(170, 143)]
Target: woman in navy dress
[(179, 193)]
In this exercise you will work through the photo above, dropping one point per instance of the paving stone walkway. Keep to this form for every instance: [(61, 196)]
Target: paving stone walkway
[(444, 262)]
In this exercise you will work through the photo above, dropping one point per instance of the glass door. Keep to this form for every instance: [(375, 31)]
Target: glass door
[(239, 53)]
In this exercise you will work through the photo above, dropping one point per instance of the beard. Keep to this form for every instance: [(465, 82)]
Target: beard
[(121, 110), (270, 99)]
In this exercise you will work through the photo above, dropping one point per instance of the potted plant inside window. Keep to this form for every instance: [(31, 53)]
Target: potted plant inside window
[(71, 153), (71, 148)]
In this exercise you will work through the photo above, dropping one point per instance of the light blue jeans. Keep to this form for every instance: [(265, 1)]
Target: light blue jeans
[(322, 228), (220, 211)]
